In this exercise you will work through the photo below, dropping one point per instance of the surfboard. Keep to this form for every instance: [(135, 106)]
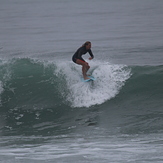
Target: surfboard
[(87, 80)]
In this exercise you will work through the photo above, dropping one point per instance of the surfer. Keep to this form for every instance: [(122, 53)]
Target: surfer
[(77, 58)]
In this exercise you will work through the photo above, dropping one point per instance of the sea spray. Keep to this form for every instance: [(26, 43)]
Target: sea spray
[(109, 80)]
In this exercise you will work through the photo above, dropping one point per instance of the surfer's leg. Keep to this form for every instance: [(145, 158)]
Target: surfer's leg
[(85, 67), (84, 70)]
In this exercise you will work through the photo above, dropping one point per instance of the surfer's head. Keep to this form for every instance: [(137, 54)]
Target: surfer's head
[(87, 44)]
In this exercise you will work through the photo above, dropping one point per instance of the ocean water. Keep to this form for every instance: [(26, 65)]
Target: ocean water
[(48, 115)]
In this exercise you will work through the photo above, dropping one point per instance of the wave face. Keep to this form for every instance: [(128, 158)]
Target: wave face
[(26, 81), (37, 96)]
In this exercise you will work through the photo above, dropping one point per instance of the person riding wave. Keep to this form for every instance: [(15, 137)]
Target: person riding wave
[(77, 58)]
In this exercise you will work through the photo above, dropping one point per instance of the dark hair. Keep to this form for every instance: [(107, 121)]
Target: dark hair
[(86, 43)]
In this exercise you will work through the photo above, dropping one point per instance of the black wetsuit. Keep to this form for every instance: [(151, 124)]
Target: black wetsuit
[(81, 51)]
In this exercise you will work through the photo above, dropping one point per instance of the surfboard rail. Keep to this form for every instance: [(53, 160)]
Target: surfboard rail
[(91, 78)]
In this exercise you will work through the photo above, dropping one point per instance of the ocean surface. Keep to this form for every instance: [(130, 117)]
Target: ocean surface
[(48, 115)]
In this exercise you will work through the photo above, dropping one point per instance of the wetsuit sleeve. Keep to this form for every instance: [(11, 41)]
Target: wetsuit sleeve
[(91, 54)]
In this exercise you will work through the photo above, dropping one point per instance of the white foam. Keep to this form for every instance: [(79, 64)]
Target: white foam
[(109, 79)]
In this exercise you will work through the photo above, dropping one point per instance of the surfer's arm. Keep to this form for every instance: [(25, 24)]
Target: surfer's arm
[(91, 54)]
